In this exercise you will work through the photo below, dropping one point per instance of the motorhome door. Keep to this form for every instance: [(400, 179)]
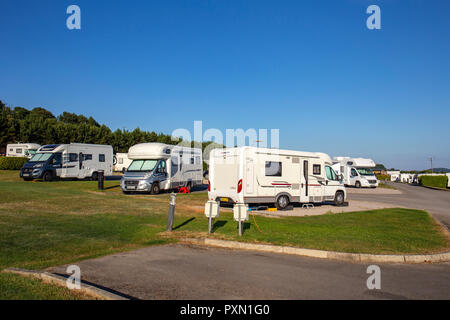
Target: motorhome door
[(70, 165)]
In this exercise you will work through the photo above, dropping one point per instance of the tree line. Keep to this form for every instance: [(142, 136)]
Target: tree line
[(20, 125)]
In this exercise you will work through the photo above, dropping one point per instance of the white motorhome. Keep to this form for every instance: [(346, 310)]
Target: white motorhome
[(394, 175), (25, 150), (122, 162), (252, 175), (158, 166), (75, 160), (356, 172)]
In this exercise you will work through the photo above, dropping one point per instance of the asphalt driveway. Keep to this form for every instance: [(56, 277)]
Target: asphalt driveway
[(191, 272)]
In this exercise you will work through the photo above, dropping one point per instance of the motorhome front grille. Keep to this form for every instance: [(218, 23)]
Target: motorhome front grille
[(131, 183), (27, 170), (372, 181)]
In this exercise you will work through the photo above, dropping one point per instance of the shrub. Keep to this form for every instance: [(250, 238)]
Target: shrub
[(434, 181), (383, 177), (12, 163)]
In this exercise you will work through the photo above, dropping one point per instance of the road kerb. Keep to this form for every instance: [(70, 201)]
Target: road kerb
[(61, 282), (322, 254)]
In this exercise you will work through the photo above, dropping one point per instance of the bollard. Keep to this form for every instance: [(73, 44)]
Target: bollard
[(172, 202), (101, 179)]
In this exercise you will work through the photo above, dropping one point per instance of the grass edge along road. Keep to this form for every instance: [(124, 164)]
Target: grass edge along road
[(48, 224)]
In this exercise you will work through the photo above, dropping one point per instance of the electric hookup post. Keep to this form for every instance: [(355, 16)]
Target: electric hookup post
[(212, 212), (240, 213), (172, 202), (101, 179)]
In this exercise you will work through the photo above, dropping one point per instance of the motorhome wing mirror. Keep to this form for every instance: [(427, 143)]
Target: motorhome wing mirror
[(340, 177)]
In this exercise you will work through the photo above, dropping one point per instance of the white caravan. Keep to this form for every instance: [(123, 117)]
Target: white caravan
[(122, 162), (25, 150), (75, 160), (252, 175), (356, 172), (158, 166)]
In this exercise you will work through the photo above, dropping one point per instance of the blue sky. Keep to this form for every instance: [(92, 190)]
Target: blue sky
[(309, 68)]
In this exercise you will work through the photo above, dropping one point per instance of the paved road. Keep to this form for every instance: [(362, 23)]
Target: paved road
[(436, 202), (190, 272)]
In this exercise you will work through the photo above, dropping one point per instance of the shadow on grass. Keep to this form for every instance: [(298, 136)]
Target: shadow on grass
[(183, 224), (218, 225), (111, 187)]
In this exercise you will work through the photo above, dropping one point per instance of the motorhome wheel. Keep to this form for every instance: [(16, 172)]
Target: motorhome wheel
[(358, 184), (282, 202), (48, 176), (155, 188), (95, 176), (339, 198)]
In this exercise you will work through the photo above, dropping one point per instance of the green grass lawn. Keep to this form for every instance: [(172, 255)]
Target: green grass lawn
[(16, 287), (48, 224)]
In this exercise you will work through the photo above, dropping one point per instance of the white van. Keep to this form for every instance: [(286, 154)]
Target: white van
[(158, 166), (356, 172), (121, 162), (75, 160), (259, 175), (24, 150)]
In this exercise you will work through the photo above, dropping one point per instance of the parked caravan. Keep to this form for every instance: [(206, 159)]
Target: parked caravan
[(252, 175), (24, 150), (73, 160), (158, 166), (356, 172), (121, 162)]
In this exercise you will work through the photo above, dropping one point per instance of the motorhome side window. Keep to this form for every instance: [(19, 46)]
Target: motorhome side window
[(316, 169), (173, 167), (18, 150), (73, 157), (161, 167), (101, 158), (273, 169), (87, 157), (192, 160), (331, 175), (57, 159)]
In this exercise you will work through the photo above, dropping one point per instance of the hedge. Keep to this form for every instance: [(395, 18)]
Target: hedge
[(12, 163), (383, 177), (434, 181)]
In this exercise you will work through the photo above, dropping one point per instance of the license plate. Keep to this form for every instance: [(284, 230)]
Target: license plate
[(26, 174), (224, 199), (131, 188)]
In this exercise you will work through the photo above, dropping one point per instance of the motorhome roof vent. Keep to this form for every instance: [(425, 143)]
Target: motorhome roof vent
[(350, 163)]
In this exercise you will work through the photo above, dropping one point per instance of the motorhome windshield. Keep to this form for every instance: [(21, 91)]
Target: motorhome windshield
[(41, 157), (365, 171), (142, 165)]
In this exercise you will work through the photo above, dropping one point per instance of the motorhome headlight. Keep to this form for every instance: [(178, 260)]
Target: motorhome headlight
[(143, 184)]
